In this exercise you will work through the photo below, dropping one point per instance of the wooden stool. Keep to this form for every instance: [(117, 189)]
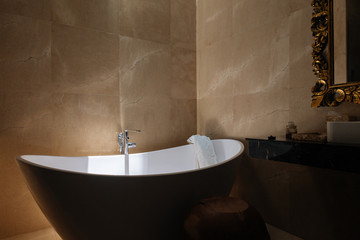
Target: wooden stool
[(225, 218)]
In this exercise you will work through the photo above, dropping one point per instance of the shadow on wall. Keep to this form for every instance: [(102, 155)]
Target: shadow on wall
[(216, 130)]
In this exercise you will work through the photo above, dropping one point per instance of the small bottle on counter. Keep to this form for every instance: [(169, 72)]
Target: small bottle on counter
[(290, 129)]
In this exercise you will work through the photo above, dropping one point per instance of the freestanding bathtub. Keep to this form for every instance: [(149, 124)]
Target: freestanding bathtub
[(143, 197)]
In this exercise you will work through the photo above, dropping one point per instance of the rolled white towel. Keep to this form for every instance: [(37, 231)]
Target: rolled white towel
[(204, 150)]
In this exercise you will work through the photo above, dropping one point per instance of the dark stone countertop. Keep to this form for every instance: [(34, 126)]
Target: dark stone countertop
[(333, 156)]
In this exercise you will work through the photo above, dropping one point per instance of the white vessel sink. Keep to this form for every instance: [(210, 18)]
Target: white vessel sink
[(343, 132)]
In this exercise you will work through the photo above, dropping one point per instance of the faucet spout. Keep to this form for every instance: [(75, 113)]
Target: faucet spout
[(123, 141)]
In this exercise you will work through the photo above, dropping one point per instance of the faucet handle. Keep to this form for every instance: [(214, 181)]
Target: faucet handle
[(121, 141), (121, 135), (132, 130)]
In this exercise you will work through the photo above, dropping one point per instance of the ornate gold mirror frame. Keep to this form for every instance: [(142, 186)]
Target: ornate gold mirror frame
[(325, 92)]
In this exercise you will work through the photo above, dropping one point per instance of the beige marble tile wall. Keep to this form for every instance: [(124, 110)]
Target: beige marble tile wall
[(256, 58), (254, 75), (242, 67), (158, 71), (75, 72)]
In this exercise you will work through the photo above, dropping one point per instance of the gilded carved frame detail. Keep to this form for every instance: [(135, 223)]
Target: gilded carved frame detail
[(325, 93)]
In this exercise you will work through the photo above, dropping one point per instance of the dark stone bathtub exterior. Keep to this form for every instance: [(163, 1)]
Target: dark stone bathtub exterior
[(104, 207)]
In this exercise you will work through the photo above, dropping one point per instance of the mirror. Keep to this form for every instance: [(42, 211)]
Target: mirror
[(346, 19), (335, 25)]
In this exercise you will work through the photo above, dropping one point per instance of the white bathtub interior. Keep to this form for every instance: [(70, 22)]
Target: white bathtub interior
[(178, 159)]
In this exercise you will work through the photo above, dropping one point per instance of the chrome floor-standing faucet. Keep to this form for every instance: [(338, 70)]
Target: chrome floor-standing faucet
[(123, 141)]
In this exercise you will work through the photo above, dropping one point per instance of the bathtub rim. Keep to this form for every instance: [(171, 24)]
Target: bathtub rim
[(23, 160)]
